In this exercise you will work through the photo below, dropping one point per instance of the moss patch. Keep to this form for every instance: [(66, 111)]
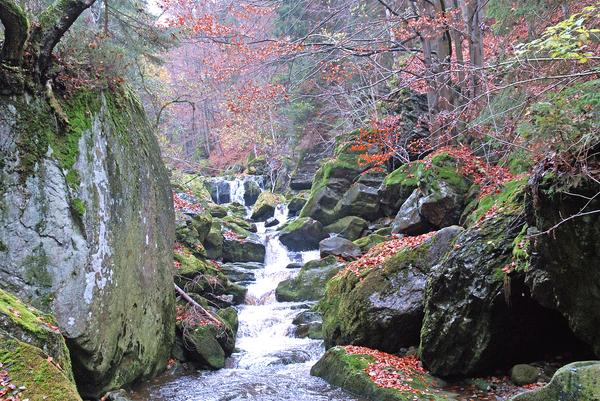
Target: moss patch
[(29, 366)]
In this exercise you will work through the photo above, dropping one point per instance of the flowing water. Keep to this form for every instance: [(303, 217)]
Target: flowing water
[(269, 364)]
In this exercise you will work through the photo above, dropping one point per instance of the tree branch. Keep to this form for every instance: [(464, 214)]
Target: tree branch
[(16, 32), (53, 23)]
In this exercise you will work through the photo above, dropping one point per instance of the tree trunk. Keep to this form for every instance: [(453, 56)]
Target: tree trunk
[(53, 23), (16, 32)]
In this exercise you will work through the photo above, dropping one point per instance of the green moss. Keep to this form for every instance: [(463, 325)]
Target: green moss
[(29, 367), (21, 315), (3, 247), (191, 265), (78, 206), (368, 242), (508, 201)]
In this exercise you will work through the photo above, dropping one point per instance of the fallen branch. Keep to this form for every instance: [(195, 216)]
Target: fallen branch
[(195, 304)]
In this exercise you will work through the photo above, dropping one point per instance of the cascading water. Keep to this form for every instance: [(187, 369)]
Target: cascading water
[(269, 364)]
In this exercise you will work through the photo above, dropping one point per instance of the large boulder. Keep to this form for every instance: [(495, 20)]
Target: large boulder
[(338, 246), (309, 284), (383, 307), (297, 203), (243, 249), (251, 191), (302, 234), (87, 231), (563, 272), (349, 227), (203, 346), (397, 187), (359, 200), (408, 219), (265, 205), (579, 381), (192, 231), (213, 243), (219, 189)]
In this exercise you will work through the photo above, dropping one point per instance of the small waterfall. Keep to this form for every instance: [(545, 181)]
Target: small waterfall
[(237, 191)]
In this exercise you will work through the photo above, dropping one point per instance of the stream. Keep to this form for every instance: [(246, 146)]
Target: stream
[(269, 363)]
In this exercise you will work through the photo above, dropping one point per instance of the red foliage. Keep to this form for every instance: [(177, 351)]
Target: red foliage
[(389, 371), (8, 391), (380, 252), (490, 178), (185, 206)]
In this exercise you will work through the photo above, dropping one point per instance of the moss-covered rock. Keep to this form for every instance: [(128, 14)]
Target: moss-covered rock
[(309, 284), (193, 231), (523, 374), (383, 307), (348, 371), (368, 242), (251, 192), (33, 370), (349, 227), (240, 249), (359, 200), (297, 203), (204, 347), (214, 241), (562, 266), (27, 324), (194, 184), (302, 234), (577, 381), (87, 215), (265, 205)]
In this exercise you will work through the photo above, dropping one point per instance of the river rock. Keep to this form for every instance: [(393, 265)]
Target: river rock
[(289, 357), (87, 217), (271, 222), (242, 273), (562, 272), (339, 246), (302, 234), (309, 284), (578, 381), (203, 346), (219, 190), (408, 220), (264, 208), (396, 188), (523, 374), (349, 227), (383, 309), (213, 242), (308, 324), (296, 204), (193, 231), (307, 166), (251, 192), (240, 249)]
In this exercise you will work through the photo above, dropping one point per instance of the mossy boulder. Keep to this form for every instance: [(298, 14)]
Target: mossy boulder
[(194, 230), (238, 248), (563, 269), (349, 227), (523, 374), (578, 381), (397, 187), (265, 205), (27, 324), (251, 192), (88, 228), (235, 223), (308, 324), (257, 166), (219, 189), (348, 371), (309, 284), (32, 369), (218, 211), (213, 243), (359, 200), (191, 183), (368, 242), (297, 203), (302, 234), (203, 346), (383, 307)]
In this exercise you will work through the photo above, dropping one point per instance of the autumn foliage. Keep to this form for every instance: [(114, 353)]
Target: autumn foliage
[(380, 252), (390, 371)]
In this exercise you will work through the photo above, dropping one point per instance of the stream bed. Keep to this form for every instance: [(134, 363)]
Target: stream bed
[(269, 363)]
